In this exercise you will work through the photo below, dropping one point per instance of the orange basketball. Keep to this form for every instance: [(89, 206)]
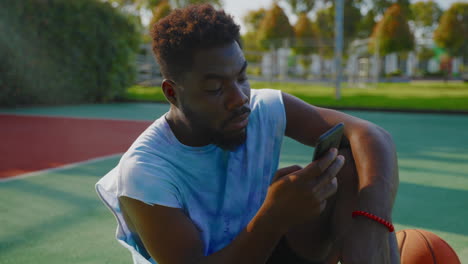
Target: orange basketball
[(422, 247)]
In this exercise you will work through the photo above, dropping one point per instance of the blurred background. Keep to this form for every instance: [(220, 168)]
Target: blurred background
[(56, 51), (79, 82), (384, 40)]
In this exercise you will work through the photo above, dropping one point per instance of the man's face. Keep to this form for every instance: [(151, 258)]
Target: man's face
[(215, 95)]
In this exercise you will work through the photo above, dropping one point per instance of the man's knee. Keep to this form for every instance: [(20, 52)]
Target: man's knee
[(316, 239), (348, 171), (345, 201), (348, 183)]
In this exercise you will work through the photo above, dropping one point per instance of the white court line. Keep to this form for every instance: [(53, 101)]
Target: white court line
[(64, 167)]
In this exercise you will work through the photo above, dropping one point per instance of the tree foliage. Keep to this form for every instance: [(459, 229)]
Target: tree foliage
[(325, 21), (366, 24), (392, 33), (300, 6), (254, 18), (275, 29), (380, 6), (150, 4), (182, 3), (425, 16), (160, 11), (135, 4), (452, 33), (325, 24), (352, 18), (61, 51), (306, 36)]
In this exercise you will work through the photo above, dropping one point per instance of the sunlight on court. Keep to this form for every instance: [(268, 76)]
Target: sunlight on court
[(58, 217)]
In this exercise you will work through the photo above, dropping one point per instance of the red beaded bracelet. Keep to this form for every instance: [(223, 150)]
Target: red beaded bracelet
[(375, 218)]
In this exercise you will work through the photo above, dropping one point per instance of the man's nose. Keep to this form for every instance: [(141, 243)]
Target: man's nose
[(237, 97)]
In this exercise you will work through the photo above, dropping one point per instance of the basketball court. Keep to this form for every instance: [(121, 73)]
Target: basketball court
[(51, 157)]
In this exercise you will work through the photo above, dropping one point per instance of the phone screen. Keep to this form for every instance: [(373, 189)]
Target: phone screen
[(328, 140)]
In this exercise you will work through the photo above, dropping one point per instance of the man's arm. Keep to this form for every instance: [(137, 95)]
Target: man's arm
[(297, 194), (376, 164), (171, 237), (372, 148)]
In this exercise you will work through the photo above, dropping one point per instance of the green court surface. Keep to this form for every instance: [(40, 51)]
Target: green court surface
[(56, 217)]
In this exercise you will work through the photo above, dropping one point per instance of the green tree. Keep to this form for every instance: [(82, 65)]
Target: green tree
[(452, 31), (135, 4), (392, 33), (182, 3), (59, 51), (352, 18), (325, 23), (275, 29), (366, 24), (150, 4), (306, 39), (252, 21), (299, 7), (160, 11), (254, 18), (426, 16), (306, 36), (380, 6)]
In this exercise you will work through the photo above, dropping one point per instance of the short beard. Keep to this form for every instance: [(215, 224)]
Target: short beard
[(229, 143), (217, 138)]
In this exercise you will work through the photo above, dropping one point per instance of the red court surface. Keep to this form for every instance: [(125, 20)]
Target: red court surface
[(31, 143)]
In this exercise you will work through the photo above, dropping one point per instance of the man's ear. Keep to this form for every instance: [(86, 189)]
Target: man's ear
[(169, 91)]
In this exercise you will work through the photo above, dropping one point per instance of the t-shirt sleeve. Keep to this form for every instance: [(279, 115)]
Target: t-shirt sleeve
[(149, 182), (271, 108), (269, 119)]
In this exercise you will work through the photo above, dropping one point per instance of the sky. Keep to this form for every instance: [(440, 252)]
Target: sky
[(238, 8)]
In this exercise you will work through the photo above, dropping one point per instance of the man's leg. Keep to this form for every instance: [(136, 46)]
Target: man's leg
[(323, 239)]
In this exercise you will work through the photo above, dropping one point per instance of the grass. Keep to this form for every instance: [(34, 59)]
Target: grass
[(438, 96)]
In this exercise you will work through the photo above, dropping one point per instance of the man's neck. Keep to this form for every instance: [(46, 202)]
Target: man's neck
[(183, 130)]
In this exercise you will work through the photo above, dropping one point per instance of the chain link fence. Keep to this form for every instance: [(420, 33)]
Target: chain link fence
[(361, 68)]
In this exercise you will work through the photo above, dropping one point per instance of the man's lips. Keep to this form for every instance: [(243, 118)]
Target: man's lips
[(239, 122)]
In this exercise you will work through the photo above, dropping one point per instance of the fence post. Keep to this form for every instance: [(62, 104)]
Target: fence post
[(339, 13)]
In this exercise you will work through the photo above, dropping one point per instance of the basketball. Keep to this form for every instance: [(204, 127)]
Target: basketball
[(418, 246)]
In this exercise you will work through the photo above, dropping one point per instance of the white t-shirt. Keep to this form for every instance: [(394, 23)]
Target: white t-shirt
[(219, 190)]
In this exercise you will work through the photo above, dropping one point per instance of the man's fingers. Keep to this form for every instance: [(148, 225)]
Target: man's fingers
[(285, 171), (323, 205), (329, 189), (316, 168), (327, 160), (329, 174)]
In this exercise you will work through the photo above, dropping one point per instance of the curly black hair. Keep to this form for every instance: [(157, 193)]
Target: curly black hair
[(184, 31)]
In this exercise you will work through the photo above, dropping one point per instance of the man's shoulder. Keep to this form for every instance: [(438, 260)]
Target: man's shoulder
[(154, 137), (265, 94), (148, 150), (265, 97), (143, 158)]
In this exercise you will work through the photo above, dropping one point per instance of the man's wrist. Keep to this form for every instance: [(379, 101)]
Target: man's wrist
[(263, 223)]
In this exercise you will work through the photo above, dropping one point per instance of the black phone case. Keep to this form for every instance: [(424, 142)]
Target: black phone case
[(328, 140)]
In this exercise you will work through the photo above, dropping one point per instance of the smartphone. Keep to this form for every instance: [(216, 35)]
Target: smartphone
[(328, 140)]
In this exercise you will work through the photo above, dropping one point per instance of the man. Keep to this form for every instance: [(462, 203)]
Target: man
[(201, 184)]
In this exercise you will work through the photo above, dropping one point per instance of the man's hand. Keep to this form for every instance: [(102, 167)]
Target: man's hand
[(297, 195)]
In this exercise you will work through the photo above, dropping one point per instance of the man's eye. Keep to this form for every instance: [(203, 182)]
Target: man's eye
[(215, 90), (242, 79)]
